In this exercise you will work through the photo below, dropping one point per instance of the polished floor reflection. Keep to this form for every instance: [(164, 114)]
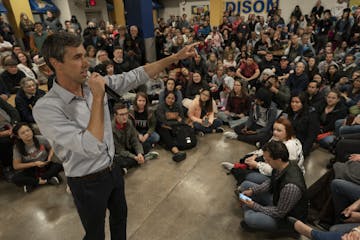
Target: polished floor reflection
[(191, 200)]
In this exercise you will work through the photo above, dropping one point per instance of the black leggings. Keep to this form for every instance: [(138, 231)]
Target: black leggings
[(6, 151), (262, 137), (167, 138), (30, 176)]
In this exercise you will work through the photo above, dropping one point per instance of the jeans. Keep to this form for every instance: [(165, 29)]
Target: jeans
[(344, 193), (92, 196), (340, 129), (320, 235), (232, 122), (152, 139), (259, 220), (326, 142), (256, 177), (343, 228), (199, 127)]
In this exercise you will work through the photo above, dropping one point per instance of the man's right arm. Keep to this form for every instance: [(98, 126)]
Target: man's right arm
[(58, 128)]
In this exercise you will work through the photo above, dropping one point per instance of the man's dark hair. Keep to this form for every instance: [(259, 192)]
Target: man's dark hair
[(55, 44), (317, 83), (118, 106), (277, 150)]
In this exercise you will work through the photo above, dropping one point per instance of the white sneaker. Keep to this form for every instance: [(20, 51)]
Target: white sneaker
[(68, 189), (231, 135), (151, 155), (227, 165)]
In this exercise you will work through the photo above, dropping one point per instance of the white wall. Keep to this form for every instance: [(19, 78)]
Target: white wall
[(78, 8), (288, 6), (65, 13)]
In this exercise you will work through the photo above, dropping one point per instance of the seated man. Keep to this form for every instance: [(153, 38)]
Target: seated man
[(128, 149), (279, 197), (10, 78)]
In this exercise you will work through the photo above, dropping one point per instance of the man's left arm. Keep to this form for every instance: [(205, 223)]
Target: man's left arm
[(289, 196)]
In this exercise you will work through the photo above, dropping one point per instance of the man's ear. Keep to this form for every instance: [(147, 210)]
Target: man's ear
[(54, 62)]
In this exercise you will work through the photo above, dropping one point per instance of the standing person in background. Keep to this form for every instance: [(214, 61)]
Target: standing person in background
[(51, 22), (37, 38), (75, 118), (27, 26)]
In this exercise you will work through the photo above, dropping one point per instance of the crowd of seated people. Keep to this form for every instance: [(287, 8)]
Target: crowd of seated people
[(283, 85)]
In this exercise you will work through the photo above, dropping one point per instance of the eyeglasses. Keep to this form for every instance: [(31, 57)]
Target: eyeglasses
[(122, 114)]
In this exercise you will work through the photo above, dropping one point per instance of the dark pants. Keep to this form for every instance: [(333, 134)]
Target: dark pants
[(126, 162), (6, 151), (30, 176), (349, 144), (92, 196), (167, 137), (199, 127), (262, 137)]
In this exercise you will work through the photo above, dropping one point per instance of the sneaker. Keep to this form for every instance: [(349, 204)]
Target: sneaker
[(201, 134), (68, 190), (28, 188), (257, 144), (219, 130), (151, 155), (227, 165), (179, 156), (230, 135), (53, 181), (292, 220)]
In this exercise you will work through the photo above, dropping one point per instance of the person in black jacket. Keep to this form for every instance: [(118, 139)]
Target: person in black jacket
[(10, 78), (8, 117), (331, 110), (313, 94), (168, 115), (26, 98), (304, 120)]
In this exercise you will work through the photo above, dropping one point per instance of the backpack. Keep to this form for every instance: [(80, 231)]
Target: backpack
[(185, 136)]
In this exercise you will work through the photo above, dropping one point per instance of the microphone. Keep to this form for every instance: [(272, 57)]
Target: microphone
[(110, 92), (113, 94)]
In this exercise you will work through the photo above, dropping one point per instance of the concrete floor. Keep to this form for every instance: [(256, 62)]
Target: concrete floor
[(191, 200)]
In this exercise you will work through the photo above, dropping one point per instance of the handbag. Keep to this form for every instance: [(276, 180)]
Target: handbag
[(185, 136)]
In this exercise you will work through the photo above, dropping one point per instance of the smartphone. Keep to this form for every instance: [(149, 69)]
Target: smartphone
[(244, 197)]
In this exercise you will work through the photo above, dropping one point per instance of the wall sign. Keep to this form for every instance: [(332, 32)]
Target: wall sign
[(251, 6)]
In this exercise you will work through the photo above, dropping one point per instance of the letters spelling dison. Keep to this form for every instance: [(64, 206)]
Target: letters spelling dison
[(248, 6)]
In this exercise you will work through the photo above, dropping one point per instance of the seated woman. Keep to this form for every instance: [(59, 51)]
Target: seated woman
[(304, 120), (331, 110), (216, 84), (168, 114), (26, 98), (32, 159), (201, 113), (237, 106), (256, 169), (170, 87), (193, 89), (144, 122), (262, 115), (25, 65)]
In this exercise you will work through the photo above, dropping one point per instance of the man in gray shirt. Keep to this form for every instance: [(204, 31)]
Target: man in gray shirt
[(75, 118)]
